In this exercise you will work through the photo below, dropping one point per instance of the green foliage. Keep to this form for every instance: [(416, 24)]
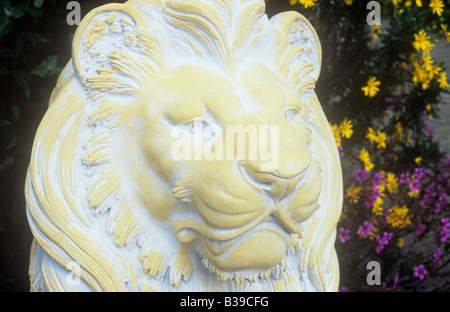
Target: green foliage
[(35, 44), (30, 32)]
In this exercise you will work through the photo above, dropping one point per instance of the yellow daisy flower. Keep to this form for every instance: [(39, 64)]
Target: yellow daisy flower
[(372, 87), (437, 6)]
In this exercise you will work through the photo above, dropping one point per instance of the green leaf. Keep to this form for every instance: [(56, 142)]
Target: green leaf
[(38, 3), (35, 13), (5, 25), (47, 66), (21, 8)]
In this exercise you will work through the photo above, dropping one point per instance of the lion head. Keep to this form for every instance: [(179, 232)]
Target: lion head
[(111, 204)]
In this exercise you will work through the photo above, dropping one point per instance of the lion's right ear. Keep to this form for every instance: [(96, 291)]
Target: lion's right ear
[(112, 39)]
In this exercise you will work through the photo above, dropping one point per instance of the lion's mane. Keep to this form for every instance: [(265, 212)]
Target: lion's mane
[(87, 234)]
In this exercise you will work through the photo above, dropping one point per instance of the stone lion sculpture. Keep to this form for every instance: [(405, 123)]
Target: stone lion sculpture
[(110, 207)]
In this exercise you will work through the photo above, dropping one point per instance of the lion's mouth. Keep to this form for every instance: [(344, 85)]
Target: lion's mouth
[(270, 224), (189, 229), (221, 243)]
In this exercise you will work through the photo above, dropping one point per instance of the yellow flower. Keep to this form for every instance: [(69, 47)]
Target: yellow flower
[(353, 194), (377, 209), (400, 242), (371, 135), (425, 84), (421, 41), (368, 166), (399, 128), (443, 80), (376, 29), (346, 128), (364, 155), (372, 87), (293, 2), (419, 3), (349, 2), (365, 158), (381, 139), (391, 183), (336, 134), (437, 6), (419, 75), (398, 217), (427, 62), (434, 71), (446, 33), (308, 3), (418, 160)]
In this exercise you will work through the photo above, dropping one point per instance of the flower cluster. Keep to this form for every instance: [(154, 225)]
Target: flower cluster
[(383, 90), (344, 130)]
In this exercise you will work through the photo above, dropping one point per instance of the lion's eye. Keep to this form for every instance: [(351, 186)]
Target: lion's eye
[(196, 127), (201, 130), (290, 114)]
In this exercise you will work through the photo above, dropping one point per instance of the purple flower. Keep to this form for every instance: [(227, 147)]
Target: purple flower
[(445, 233), (443, 199), (415, 185), (437, 255), (429, 131), (438, 208), (383, 241), (445, 222), (404, 178), (343, 289), (420, 228), (395, 281), (379, 248), (418, 173), (365, 229), (373, 197), (386, 238), (341, 151), (344, 235), (446, 160), (424, 200), (376, 179), (420, 271), (444, 236), (361, 175)]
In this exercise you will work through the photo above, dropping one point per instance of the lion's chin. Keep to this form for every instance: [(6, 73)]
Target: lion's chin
[(257, 253)]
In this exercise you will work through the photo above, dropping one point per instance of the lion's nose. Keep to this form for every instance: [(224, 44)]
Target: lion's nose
[(272, 182)]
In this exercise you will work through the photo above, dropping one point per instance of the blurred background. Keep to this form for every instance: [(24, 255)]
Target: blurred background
[(383, 89)]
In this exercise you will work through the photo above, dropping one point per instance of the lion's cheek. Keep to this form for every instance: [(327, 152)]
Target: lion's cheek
[(260, 251)]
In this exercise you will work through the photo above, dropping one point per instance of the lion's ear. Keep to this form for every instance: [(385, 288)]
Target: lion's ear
[(297, 44), (112, 39)]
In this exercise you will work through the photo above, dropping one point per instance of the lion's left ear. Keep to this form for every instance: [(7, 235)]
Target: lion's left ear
[(296, 43)]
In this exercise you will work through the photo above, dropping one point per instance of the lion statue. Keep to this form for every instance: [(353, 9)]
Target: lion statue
[(110, 206)]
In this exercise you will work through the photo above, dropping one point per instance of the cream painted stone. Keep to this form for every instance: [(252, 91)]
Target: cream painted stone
[(110, 206)]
